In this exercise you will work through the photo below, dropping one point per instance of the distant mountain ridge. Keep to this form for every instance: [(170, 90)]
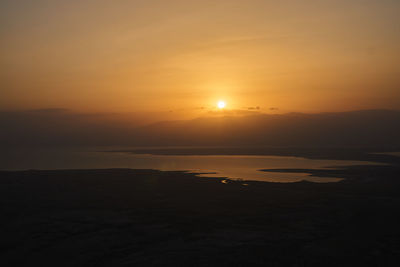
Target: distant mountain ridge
[(378, 128), (355, 128)]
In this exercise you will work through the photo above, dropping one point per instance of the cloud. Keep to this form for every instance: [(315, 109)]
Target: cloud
[(254, 108), (50, 110), (234, 112)]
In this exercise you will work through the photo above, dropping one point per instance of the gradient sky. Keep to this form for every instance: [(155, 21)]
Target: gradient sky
[(183, 56)]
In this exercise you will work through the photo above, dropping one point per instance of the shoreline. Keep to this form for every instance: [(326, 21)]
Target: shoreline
[(359, 154)]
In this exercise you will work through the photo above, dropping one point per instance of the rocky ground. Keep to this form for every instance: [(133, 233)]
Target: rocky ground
[(123, 217)]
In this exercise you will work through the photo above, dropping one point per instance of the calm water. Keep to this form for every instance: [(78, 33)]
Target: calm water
[(233, 167)]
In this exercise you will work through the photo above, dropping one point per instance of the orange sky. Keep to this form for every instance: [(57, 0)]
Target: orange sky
[(183, 56)]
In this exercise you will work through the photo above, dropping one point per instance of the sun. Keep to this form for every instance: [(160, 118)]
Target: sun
[(221, 104)]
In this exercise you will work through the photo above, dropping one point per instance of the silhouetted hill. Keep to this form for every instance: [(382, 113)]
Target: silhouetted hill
[(371, 128), (357, 128), (60, 127)]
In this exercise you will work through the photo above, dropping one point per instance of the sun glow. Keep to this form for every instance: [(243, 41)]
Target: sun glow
[(221, 104)]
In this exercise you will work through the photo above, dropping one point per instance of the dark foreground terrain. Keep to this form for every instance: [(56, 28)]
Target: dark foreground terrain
[(122, 217)]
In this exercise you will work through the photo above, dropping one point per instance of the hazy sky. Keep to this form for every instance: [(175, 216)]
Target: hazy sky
[(163, 55)]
